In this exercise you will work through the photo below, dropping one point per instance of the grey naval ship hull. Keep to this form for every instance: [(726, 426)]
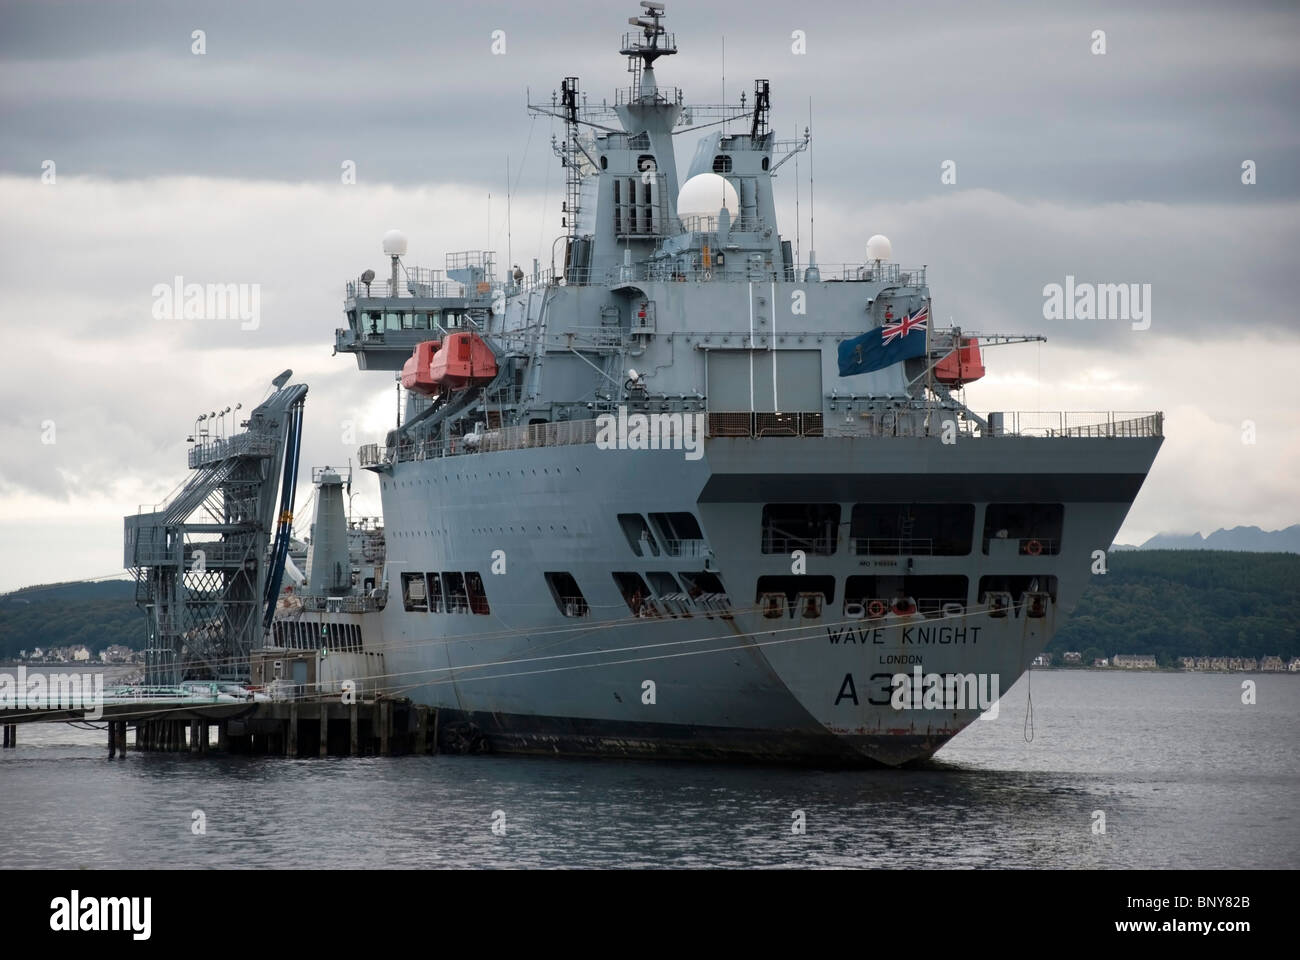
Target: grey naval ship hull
[(528, 679)]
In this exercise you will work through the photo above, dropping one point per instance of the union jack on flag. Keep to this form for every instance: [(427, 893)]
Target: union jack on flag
[(895, 329)]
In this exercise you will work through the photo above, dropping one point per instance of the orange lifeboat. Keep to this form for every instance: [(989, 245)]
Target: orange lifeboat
[(962, 366), (463, 360), (415, 372)]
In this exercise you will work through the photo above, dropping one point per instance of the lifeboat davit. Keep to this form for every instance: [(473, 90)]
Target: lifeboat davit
[(964, 365), (463, 360), (415, 372)]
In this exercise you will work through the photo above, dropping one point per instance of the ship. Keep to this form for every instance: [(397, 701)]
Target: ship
[(685, 493)]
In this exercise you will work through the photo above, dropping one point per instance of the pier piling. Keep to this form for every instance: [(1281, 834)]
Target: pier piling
[(421, 730), (291, 741), (324, 730), (355, 723)]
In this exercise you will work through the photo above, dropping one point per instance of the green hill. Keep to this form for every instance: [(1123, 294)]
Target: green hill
[(1187, 603), (63, 614)]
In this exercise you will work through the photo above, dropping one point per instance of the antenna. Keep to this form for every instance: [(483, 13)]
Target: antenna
[(796, 208), (724, 83), (510, 252), (812, 208)]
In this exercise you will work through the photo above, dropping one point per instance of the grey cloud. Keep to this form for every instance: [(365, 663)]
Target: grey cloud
[(412, 93)]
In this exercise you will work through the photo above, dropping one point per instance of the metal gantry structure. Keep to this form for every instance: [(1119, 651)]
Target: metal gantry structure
[(206, 571)]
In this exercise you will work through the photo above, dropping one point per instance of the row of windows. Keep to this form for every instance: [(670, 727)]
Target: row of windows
[(896, 529), (446, 592), (805, 597), (700, 591), (375, 321), (668, 534), (307, 635)]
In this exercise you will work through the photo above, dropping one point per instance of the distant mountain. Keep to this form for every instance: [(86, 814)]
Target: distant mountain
[(1248, 539)]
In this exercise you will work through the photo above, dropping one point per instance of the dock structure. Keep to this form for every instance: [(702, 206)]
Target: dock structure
[(323, 727)]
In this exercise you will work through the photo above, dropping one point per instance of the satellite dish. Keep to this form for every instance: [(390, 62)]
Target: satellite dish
[(282, 379), (368, 277), (879, 248), (395, 243)]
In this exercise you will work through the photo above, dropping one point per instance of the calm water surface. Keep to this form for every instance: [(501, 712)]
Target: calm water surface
[(1185, 774)]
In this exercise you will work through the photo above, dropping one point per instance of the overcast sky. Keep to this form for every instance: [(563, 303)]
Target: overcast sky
[(225, 168)]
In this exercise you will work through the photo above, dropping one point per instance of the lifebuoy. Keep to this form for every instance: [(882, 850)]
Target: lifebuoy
[(876, 608), (707, 275), (1033, 548)]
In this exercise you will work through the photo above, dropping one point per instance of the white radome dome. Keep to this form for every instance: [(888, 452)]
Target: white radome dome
[(705, 194), (879, 248), (394, 244)]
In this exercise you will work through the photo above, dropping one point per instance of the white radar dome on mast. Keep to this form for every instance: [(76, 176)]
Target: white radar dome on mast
[(879, 248), (705, 194), (395, 243)]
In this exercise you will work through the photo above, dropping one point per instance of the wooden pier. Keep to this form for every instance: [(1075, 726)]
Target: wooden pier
[(295, 728)]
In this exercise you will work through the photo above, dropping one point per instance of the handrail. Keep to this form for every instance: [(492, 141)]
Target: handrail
[(924, 421)]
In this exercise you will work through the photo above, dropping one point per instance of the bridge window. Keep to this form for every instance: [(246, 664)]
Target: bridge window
[(722, 163), (478, 601), (413, 595), (810, 527), (568, 597), (895, 529), (1034, 528)]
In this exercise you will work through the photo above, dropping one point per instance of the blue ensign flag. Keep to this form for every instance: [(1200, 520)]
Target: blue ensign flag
[(884, 346)]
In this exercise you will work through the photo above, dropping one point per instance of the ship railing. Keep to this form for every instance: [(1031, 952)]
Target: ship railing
[(920, 421), (349, 604), (1082, 424), (708, 223), (745, 424), (624, 95), (1030, 546), (199, 555), (819, 546), (734, 268), (928, 607), (240, 445), (382, 288), (687, 548), (892, 546)]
